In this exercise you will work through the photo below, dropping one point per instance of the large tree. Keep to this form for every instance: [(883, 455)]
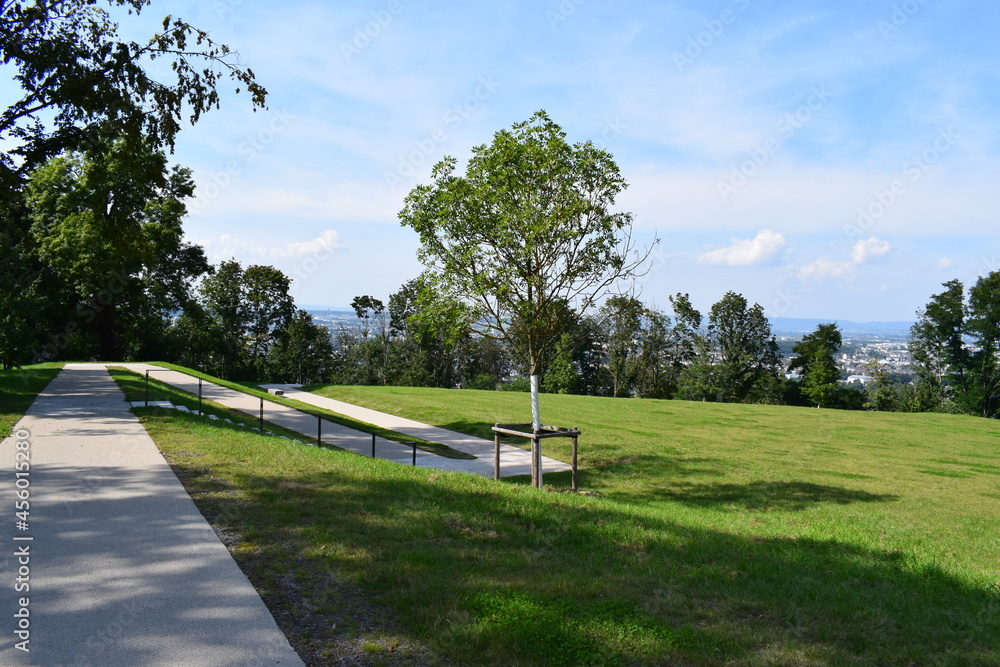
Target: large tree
[(938, 343), (107, 228), (738, 357), (984, 325), (621, 319), (248, 310), (85, 88), (527, 233), (955, 345)]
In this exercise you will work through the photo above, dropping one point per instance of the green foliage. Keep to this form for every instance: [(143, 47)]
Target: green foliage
[(815, 356), (527, 236), (84, 86), (246, 311), (955, 346), (621, 317), (303, 351), (738, 358), (882, 394), (106, 227)]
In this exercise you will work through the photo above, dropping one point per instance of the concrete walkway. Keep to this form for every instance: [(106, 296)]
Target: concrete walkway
[(120, 568), (513, 460)]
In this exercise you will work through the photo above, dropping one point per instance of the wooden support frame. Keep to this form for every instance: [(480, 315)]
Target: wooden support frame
[(536, 437)]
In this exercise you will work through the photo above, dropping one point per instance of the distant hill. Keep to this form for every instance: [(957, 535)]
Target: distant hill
[(795, 326)]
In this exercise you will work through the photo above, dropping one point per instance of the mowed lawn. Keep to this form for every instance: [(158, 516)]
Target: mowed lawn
[(779, 535)]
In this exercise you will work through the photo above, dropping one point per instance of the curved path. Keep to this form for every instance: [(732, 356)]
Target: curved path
[(116, 564)]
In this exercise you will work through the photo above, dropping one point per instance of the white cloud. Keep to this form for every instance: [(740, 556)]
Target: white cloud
[(747, 252), (227, 246), (823, 269), (945, 263), (328, 240), (868, 249)]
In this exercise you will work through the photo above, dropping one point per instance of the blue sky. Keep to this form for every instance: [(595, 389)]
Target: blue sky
[(825, 159)]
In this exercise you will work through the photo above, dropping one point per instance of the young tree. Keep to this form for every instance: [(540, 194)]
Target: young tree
[(525, 234), (881, 395), (815, 356)]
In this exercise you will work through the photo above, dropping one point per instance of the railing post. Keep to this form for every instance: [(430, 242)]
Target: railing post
[(261, 414), (538, 450), (496, 455), (574, 458), (147, 388), (319, 431), (199, 397), (373, 445)]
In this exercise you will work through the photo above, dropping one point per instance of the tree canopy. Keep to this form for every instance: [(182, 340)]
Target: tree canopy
[(815, 357), (956, 346), (84, 86), (526, 233)]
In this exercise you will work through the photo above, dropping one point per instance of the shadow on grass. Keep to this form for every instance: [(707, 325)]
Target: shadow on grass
[(788, 496), (491, 575)]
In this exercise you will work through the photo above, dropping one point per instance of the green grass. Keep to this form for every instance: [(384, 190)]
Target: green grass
[(722, 534), (255, 390), (18, 388)]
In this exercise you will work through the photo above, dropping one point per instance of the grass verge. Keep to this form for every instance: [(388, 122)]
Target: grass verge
[(734, 535), (18, 388)]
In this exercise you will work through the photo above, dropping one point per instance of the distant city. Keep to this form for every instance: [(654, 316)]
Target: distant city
[(863, 341)]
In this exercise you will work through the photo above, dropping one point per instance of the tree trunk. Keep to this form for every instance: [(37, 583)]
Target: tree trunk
[(536, 420)]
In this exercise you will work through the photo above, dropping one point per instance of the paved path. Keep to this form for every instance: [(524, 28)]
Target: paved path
[(122, 568), (513, 460)]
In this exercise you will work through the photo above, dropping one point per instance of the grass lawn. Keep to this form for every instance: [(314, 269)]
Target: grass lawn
[(18, 388), (720, 534)]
